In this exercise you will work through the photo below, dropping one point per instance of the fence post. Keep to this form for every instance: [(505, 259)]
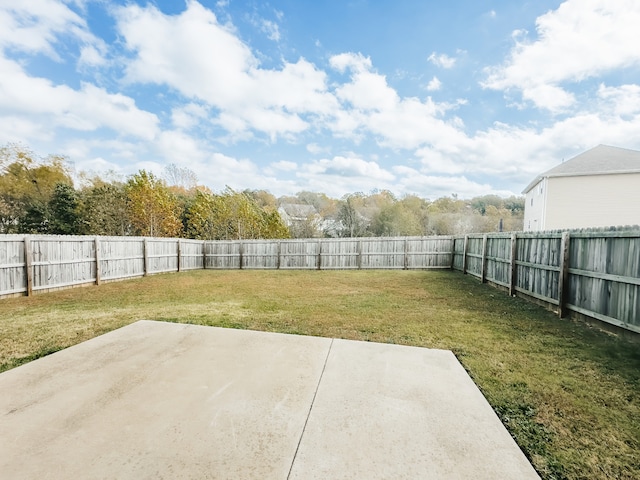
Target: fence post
[(483, 273), (514, 251), (96, 243), (563, 276), (453, 253), (279, 253), (240, 253), (179, 253), (145, 253), (359, 258), (28, 256), (406, 253), (204, 254), (319, 262), (465, 247)]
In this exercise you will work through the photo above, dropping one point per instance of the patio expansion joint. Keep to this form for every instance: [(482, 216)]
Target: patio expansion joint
[(313, 400)]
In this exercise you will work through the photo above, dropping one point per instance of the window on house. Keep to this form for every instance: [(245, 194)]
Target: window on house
[(532, 201)]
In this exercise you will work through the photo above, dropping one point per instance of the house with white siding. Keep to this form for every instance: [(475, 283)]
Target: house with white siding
[(598, 188)]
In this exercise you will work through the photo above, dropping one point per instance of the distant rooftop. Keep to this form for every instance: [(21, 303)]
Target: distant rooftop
[(298, 210), (600, 160)]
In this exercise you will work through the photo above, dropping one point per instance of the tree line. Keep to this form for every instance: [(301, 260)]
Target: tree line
[(382, 214), (38, 196)]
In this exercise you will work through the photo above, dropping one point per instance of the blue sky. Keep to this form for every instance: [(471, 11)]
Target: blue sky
[(421, 97)]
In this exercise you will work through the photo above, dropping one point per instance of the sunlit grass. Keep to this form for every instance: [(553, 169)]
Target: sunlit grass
[(569, 394)]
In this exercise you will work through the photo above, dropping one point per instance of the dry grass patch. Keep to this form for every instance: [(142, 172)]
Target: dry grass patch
[(569, 394)]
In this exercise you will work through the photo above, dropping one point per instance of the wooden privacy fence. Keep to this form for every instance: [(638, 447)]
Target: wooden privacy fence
[(327, 254), (596, 274), (40, 263)]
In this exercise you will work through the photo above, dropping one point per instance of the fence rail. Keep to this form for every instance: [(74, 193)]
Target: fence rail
[(596, 274)]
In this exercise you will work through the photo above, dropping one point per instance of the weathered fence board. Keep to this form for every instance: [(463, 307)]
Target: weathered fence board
[(223, 255), (59, 264), (341, 254), (162, 255), (458, 253), (191, 254), (299, 254), (604, 278), (121, 257), (13, 279), (260, 254), (381, 253), (538, 266), (498, 260), (428, 252), (474, 255)]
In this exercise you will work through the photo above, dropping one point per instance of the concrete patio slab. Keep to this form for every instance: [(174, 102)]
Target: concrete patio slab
[(158, 400), (394, 412)]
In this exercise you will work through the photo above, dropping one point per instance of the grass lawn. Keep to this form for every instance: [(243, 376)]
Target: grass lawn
[(569, 394)]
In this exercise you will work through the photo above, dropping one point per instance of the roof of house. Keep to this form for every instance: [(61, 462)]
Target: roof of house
[(298, 210), (600, 160)]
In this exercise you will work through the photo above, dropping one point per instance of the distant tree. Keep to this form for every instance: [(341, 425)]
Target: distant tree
[(202, 217), (480, 204), (153, 209), (515, 205), (232, 215), (182, 177), (63, 211), (401, 217), (103, 209), (35, 218), (262, 198), (351, 217), (27, 183)]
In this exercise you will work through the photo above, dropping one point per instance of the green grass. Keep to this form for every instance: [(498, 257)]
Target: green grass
[(569, 394)]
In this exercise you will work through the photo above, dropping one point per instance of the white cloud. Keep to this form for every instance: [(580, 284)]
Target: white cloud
[(284, 166), (436, 186), (271, 29), (188, 116), (91, 56), (86, 109), (95, 166), (623, 100), (20, 128), (551, 97), (579, 40), (351, 166), (343, 174), (371, 105), (442, 60), (316, 149), (354, 61), (180, 148), (367, 90), (268, 27), (33, 27), (434, 84), (37, 26), (41, 106), (202, 59)]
